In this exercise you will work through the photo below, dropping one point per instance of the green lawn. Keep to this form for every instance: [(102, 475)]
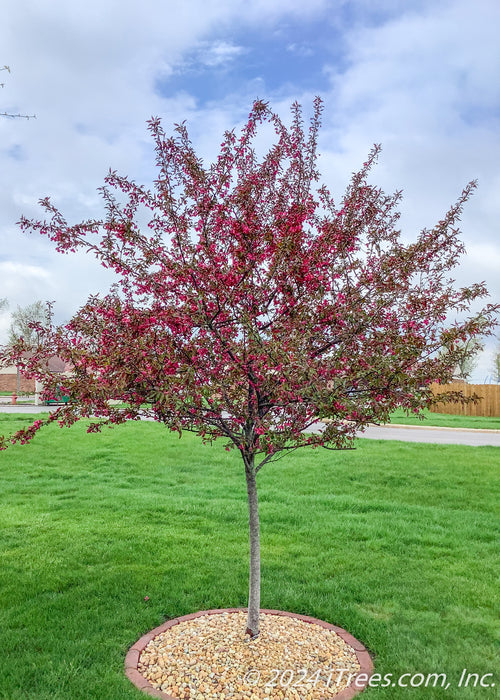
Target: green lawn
[(395, 542), (446, 420)]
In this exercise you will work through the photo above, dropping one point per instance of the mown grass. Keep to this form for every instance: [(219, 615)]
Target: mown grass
[(446, 420), (395, 542)]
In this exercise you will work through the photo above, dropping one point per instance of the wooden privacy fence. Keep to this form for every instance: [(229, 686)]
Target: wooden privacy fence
[(488, 406)]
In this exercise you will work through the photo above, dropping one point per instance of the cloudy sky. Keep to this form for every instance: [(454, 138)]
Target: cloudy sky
[(420, 77)]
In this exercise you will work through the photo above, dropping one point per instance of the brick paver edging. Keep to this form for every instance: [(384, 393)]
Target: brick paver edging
[(132, 658)]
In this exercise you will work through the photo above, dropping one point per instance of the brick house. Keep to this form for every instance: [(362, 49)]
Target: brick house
[(8, 376), (8, 380)]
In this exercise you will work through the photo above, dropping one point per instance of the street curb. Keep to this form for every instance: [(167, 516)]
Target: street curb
[(325, 421), (134, 653), (434, 427)]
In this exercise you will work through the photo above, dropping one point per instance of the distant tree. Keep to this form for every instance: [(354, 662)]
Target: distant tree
[(467, 357), (3, 305), (496, 363), (252, 306), (8, 114), (28, 323)]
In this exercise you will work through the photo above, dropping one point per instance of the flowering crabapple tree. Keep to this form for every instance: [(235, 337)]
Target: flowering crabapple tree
[(249, 306)]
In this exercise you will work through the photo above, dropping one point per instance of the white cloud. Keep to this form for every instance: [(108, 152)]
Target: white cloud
[(24, 272), (424, 84), (485, 256), (219, 53), (23, 283), (303, 50)]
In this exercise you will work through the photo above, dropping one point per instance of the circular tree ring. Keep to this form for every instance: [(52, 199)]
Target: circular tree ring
[(357, 680)]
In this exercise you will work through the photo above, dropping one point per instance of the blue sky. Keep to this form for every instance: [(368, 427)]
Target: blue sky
[(421, 78), (277, 59)]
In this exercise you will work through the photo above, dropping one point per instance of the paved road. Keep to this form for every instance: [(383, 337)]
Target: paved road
[(7, 408), (417, 433), (441, 436)]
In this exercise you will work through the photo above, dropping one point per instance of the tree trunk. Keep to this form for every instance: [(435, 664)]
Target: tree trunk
[(254, 587)]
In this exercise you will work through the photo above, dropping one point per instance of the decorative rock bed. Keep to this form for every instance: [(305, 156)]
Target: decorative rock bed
[(206, 656)]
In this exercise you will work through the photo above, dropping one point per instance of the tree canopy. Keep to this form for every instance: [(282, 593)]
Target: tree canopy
[(251, 305), (251, 296), (26, 322)]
